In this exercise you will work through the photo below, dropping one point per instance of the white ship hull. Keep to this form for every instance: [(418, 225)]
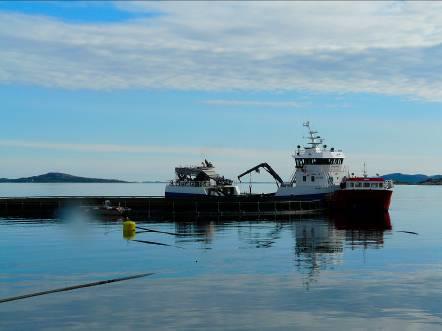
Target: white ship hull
[(184, 191), (304, 193)]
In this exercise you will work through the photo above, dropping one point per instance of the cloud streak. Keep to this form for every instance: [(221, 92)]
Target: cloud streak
[(376, 47), (140, 149)]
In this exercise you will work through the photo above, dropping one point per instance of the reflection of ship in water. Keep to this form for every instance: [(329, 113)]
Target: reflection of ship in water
[(320, 243), (261, 236), (363, 231), (202, 232)]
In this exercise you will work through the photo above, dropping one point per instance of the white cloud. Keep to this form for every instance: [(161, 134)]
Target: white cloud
[(380, 47)]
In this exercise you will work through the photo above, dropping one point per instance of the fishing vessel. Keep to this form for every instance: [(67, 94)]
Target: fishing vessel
[(320, 174), (200, 181), (319, 170)]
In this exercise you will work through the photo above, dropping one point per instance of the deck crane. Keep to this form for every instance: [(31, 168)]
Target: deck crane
[(268, 168)]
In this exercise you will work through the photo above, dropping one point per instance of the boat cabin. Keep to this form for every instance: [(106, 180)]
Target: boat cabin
[(366, 183)]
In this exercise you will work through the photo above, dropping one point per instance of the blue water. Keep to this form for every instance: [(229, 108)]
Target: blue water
[(228, 274)]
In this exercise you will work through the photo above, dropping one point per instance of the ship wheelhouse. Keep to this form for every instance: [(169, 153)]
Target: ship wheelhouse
[(316, 164), (301, 161)]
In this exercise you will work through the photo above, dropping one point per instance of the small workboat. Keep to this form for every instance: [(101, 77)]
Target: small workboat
[(106, 209)]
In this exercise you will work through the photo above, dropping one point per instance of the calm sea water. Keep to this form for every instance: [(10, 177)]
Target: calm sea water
[(298, 273)]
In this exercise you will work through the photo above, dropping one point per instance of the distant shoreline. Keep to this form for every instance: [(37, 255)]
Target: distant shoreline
[(58, 177)]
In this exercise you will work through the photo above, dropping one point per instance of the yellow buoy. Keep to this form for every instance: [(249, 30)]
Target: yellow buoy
[(129, 229)]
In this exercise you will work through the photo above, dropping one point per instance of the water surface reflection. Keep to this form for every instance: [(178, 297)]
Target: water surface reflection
[(321, 272), (317, 243)]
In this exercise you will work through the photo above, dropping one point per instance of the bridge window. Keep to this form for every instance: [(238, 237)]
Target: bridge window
[(366, 184), (300, 162), (313, 178), (304, 178)]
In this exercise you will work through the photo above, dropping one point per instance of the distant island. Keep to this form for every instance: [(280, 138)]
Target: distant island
[(58, 177), (418, 179)]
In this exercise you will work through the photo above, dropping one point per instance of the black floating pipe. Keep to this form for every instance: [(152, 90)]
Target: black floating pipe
[(157, 231), (70, 288), (155, 243)]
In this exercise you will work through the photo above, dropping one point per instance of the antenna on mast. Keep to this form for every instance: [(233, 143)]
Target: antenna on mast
[(314, 139), (365, 171)]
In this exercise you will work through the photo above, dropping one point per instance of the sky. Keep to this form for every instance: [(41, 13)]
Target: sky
[(130, 90)]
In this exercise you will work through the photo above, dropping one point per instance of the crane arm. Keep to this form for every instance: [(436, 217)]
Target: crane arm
[(268, 168)]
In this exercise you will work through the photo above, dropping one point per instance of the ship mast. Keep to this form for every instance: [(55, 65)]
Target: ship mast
[(315, 140)]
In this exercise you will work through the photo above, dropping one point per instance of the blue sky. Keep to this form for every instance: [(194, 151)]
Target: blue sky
[(132, 89)]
